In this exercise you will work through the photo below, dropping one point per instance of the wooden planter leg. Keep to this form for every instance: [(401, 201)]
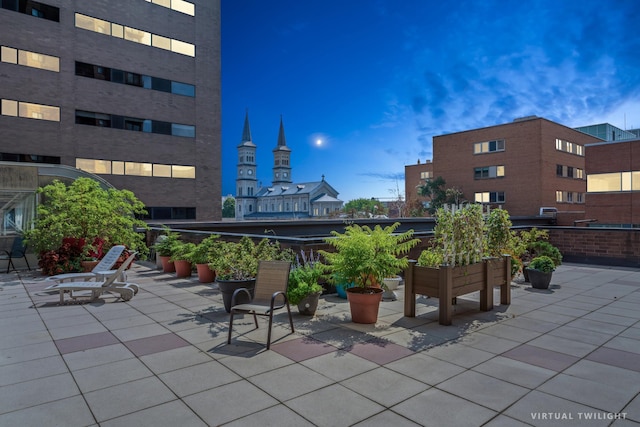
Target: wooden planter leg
[(409, 293), (486, 294), (445, 283), (505, 287)]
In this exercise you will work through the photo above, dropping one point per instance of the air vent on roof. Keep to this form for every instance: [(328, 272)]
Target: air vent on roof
[(284, 188), (300, 186), (269, 189), (522, 119)]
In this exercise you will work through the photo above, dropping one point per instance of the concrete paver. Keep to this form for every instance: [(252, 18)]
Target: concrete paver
[(550, 358)]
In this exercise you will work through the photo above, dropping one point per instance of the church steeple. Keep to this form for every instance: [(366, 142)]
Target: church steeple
[(282, 141), (281, 160), (246, 181), (246, 131)]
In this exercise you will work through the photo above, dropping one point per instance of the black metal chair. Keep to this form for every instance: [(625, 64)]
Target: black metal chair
[(18, 250)]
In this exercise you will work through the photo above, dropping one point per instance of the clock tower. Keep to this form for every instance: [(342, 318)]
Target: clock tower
[(281, 160), (246, 181)]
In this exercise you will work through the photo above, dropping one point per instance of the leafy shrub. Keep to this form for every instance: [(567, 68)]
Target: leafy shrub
[(542, 263)]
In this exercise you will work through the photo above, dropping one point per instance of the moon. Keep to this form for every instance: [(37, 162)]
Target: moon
[(318, 141)]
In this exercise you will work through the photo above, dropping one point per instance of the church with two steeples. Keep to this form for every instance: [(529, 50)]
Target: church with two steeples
[(284, 199)]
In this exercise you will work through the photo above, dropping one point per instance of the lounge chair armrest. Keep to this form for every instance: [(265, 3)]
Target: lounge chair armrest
[(276, 295), (237, 292)]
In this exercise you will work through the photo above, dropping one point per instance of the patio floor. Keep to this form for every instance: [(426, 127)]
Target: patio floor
[(566, 356)]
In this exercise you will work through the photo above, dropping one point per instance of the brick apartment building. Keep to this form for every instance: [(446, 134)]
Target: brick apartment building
[(414, 177), (523, 165), (613, 183), (127, 90)]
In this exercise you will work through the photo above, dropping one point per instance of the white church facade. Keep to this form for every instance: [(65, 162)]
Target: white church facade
[(283, 199)]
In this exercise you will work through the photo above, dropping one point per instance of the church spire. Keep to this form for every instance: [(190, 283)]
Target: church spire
[(246, 131), (281, 160), (282, 142)]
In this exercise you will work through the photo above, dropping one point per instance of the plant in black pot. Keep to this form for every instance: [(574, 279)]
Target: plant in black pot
[(236, 264), (540, 271), (304, 288)]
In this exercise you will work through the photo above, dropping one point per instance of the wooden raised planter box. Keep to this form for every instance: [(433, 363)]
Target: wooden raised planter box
[(447, 283)]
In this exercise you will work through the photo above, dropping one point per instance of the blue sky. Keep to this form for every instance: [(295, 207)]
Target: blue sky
[(375, 80)]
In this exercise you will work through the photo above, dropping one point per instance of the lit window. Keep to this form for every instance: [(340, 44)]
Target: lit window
[(161, 42), (604, 182), (92, 24), (139, 169), (117, 30), (138, 36), (39, 112), (94, 166), (9, 107), (117, 168), (184, 171), (183, 48), (489, 146), (134, 35), (162, 170), (9, 55)]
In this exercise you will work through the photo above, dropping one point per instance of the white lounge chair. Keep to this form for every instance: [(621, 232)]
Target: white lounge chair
[(101, 271), (126, 290)]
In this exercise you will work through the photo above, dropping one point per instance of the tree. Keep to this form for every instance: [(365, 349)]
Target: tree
[(84, 210), (362, 206), (434, 190), (438, 195), (229, 208)]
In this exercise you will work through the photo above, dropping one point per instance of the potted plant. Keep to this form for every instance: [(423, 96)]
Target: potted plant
[(236, 264), (365, 256), (540, 270), (458, 263), (180, 257), (200, 256), (304, 288), (164, 247)]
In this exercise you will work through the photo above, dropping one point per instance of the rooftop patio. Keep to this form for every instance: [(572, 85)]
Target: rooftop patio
[(566, 356)]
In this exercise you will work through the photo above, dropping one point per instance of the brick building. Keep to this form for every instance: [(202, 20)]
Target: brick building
[(127, 90), (415, 176), (523, 165), (613, 183)]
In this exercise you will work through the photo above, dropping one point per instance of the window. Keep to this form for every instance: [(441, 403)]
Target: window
[(133, 35), (489, 146), (115, 121), (157, 213), (569, 147), (29, 110), (426, 175), (134, 79), (490, 197), (183, 6), (29, 158), (613, 182), (488, 172), (569, 197), (30, 59), (33, 8), (569, 172)]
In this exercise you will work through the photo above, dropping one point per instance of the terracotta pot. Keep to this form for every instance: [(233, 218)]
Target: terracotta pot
[(309, 304), (87, 266), (364, 304), (167, 265), (183, 268), (205, 274)]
